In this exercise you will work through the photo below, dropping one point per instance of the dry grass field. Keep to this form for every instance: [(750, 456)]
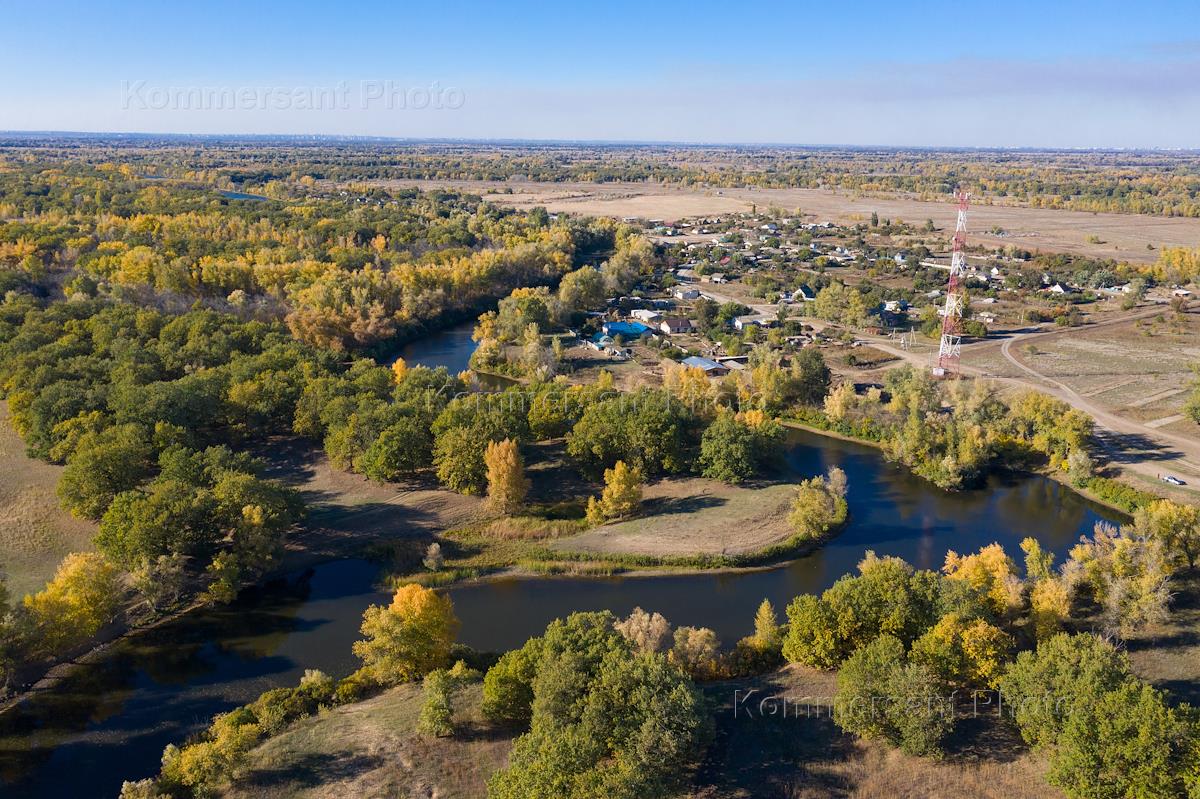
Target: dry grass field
[(371, 749), (695, 516), (1140, 370), (35, 532), (805, 756), (1120, 236), (347, 512)]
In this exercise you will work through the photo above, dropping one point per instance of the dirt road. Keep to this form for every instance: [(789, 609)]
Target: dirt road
[(1137, 447)]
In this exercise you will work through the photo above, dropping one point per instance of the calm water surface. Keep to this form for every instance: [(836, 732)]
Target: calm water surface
[(450, 348), (111, 719)]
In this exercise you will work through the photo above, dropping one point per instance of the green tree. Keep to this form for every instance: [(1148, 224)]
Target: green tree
[(459, 457), (168, 517), (401, 449), (1066, 672), (729, 449), (437, 715), (1127, 743), (646, 429), (103, 465), (879, 695), (605, 721)]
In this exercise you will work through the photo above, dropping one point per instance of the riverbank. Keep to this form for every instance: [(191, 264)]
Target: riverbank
[(160, 686)]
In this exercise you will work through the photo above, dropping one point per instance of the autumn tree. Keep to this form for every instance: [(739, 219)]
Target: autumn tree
[(408, 638), (645, 631), (819, 506), (990, 571), (82, 597), (963, 652), (697, 651), (768, 634), (621, 497), (1176, 525), (507, 484)]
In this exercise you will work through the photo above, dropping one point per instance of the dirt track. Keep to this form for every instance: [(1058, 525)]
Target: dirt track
[(1137, 447)]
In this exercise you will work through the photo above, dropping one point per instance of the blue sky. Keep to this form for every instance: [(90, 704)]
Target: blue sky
[(1050, 73)]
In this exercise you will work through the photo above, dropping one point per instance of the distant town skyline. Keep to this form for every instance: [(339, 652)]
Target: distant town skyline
[(1022, 74)]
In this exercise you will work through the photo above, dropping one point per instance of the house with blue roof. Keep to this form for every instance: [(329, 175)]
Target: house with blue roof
[(626, 330)]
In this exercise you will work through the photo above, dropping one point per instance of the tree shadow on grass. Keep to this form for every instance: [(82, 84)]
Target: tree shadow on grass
[(312, 770), (662, 506)]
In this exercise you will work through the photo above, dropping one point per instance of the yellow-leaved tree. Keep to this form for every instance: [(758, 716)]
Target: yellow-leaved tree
[(399, 370), (507, 484), (621, 496), (410, 637), (82, 598), (990, 571)]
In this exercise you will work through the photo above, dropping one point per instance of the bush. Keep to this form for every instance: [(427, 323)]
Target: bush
[(437, 716), (508, 685), (820, 506)]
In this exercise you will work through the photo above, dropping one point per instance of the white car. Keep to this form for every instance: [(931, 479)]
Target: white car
[(1173, 480)]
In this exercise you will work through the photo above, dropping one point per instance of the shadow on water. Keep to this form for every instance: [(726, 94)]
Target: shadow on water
[(111, 719), (451, 348)]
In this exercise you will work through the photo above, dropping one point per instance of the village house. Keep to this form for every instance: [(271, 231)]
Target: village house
[(710, 367), (629, 331), (761, 320), (644, 314), (804, 294), (674, 325), (686, 293)]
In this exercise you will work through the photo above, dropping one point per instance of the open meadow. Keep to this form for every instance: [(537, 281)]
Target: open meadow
[(1126, 237), (35, 532)]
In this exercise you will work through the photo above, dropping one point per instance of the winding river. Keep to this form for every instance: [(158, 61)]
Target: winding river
[(111, 719)]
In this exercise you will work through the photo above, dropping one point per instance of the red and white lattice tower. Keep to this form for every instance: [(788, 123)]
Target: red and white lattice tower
[(956, 296)]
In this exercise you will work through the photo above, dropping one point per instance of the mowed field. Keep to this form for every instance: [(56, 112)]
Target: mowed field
[(35, 532), (696, 516), (1121, 236), (1140, 370)]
